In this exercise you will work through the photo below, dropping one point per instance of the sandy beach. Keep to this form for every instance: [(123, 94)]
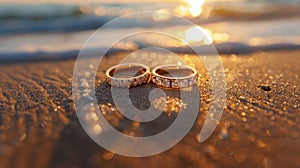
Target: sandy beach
[(259, 127)]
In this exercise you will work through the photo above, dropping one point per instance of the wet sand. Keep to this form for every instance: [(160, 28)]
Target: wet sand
[(259, 128)]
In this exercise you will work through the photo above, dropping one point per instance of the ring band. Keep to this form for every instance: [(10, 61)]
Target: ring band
[(128, 80), (162, 76)]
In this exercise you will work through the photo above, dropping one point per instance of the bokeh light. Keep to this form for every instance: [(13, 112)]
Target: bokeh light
[(191, 8)]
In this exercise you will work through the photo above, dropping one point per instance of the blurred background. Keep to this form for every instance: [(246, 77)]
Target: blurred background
[(56, 29)]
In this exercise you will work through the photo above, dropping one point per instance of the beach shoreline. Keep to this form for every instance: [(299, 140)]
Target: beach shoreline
[(259, 127)]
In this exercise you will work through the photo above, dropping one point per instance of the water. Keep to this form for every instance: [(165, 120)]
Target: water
[(53, 31)]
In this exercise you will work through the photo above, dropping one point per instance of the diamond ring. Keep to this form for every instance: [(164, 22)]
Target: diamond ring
[(127, 75), (174, 76)]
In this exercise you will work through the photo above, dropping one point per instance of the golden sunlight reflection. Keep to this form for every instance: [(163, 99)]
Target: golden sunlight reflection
[(220, 37), (198, 34), (161, 15), (191, 8), (169, 104)]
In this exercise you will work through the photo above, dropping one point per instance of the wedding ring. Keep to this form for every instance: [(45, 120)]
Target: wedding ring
[(127, 75), (174, 76)]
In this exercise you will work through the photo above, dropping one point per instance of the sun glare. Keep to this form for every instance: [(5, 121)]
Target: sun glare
[(161, 15), (192, 8), (198, 34)]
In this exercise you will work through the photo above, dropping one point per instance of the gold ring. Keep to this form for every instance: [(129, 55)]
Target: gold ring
[(139, 75), (165, 76)]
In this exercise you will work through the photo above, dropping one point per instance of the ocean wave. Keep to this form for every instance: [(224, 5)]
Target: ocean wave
[(17, 19), (54, 32), (70, 24), (223, 49)]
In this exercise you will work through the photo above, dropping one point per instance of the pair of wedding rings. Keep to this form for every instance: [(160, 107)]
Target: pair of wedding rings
[(168, 76)]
